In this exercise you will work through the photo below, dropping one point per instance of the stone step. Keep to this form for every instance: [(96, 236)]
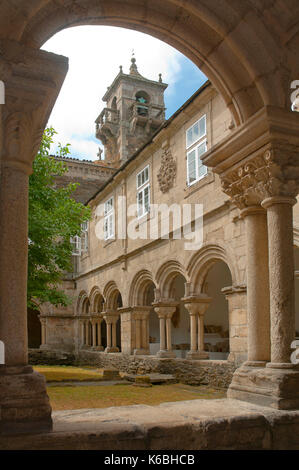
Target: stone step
[(154, 378)]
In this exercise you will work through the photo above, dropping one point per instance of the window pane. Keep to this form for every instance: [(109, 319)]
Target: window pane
[(202, 127), (191, 167), (189, 137), (146, 199)]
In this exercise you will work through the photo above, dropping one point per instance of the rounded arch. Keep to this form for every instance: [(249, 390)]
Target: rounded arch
[(166, 275), (138, 289), (112, 296), (96, 300), (204, 259), (247, 81), (81, 302)]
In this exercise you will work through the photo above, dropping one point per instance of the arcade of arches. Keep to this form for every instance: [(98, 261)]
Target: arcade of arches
[(249, 51)]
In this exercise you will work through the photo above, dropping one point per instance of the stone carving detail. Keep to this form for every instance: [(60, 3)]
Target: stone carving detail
[(273, 172), (167, 172)]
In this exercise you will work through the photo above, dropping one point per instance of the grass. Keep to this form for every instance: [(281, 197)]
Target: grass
[(71, 398), (68, 373)]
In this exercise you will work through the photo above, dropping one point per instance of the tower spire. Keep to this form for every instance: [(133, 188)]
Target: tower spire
[(133, 68)]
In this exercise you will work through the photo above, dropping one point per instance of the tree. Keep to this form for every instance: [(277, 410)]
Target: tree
[(54, 217)]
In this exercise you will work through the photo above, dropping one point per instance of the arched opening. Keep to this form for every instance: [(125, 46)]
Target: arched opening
[(143, 100), (34, 328), (154, 331), (216, 320), (180, 319)]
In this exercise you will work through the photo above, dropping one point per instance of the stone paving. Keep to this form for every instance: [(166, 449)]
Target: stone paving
[(187, 425)]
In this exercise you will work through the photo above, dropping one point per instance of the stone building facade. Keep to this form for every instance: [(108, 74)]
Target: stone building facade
[(140, 292)]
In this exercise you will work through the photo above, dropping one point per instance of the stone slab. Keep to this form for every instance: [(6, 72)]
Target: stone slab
[(188, 425)]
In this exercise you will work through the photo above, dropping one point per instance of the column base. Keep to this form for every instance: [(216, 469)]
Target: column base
[(267, 386), (24, 403), (197, 355), (98, 348), (165, 353), (141, 352), (111, 349)]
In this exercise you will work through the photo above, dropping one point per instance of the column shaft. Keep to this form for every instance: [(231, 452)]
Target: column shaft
[(138, 333), (258, 303), (193, 345), (114, 335), (94, 338), (168, 334), (13, 262), (108, 335), (162, 334), (281, 267)]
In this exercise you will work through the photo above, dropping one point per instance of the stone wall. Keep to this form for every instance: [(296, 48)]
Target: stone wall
[(212, 373)]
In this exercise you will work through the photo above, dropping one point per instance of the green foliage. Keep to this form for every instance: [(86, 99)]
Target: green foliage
[(54, 217)]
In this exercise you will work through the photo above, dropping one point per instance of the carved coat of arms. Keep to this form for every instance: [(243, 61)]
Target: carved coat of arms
[(167, 171)]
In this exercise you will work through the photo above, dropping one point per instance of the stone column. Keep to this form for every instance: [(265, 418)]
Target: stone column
[(43, 331), (94, 333), (82, 333), (111, 320), (258, 302), (86, 332), (99, 346), (165, 310), (141, 318), (282, 286), (197, 306)]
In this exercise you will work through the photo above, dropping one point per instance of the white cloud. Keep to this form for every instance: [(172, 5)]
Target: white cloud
[(95, 54)]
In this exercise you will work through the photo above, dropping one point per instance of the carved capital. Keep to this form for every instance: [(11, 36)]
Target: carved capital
[(271, 172)]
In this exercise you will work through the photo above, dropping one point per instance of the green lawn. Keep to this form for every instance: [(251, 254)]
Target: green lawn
[(72, 397)]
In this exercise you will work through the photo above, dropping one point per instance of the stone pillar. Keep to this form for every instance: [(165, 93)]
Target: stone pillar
[(86, 332), (165, 310), (99, 346), (82, 333), (141, 318), (282, 285), (238, 326), (258, 302), (197, 306), (111, 320), (43, 331), (94, 334)]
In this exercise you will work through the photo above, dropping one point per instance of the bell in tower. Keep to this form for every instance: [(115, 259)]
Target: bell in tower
[(134, 110)]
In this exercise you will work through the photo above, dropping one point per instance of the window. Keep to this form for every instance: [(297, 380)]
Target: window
[(143, 192), (80, 243), (196, 132), (109, 219), (196, 138), (195, 168)]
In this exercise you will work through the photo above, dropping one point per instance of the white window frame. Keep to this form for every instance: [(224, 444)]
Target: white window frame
[(200, 137), (197, 163), (109, 215), (80, 242), (141, 189)]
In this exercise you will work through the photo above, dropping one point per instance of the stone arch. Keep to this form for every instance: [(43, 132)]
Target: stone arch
[(222, 39), (80, 301), (111, 295), (166, 275), (204, 259), (139, 286), (96, 300)]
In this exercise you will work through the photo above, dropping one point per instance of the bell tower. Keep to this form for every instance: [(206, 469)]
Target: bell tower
[(134, 110)]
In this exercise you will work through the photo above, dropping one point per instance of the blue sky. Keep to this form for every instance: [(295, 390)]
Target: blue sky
[(95, 54)]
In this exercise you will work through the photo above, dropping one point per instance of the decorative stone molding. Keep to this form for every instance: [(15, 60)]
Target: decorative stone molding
[(167, 171), (273, 171)]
